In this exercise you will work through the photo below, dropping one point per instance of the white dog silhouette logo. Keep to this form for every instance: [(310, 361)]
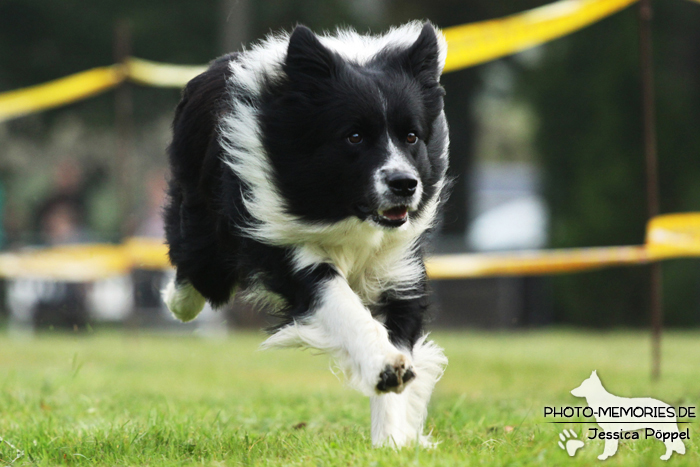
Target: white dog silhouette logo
[(616, 415)]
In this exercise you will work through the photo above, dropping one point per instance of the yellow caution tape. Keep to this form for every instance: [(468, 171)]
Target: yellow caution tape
[(536, 262), (476, 43), (84, 263), (673, 236), (151, 73), (71, 263), (668, 236), (147, 253), (59, 92), (468, 45), (88, 83)]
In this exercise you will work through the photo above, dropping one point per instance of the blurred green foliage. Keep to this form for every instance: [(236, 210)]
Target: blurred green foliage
[(587, 95), (43, 40)]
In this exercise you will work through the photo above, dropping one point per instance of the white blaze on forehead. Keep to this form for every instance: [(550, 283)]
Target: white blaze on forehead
[(396, 163)]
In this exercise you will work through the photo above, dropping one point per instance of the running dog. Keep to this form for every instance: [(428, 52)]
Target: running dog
[(307, 172)]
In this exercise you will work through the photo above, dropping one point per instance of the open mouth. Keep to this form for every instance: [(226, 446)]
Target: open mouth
[(393, 217)]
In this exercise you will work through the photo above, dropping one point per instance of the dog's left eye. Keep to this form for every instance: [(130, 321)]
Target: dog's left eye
[(411, 138), (355, 138)]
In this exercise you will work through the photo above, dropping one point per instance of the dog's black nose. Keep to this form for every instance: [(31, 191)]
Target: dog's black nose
[(401, 184)]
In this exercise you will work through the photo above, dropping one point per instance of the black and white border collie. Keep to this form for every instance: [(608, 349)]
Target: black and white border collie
[(306, 173)]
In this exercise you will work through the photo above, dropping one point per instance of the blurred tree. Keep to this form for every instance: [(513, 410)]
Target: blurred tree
[(587, 95), (42, 40)]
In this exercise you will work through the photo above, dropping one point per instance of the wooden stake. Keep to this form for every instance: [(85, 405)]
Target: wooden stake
[(123, 122), (652, 184)]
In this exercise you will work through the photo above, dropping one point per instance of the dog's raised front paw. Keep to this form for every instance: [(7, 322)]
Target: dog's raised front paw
[(396, 375)]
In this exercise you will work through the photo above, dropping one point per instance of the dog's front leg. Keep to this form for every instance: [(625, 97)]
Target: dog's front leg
[(337, 322), (398, 419)]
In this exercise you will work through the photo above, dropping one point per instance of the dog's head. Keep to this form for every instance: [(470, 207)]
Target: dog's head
[(354, 132), (590, 386)]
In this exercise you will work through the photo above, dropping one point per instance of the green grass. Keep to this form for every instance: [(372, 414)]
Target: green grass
[(113, 399)]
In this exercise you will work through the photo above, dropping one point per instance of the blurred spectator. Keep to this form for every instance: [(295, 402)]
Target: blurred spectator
[(2, 217), (151, 225), (61, 218), (148, 306), (60, 223)]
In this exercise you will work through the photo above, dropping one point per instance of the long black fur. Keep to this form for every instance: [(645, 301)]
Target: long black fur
[(304, 120)]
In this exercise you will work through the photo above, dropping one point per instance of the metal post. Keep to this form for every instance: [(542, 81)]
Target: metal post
[(652, 185), (123, 121)]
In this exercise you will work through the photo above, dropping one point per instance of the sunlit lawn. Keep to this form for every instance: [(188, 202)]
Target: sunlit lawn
[(117, 399)]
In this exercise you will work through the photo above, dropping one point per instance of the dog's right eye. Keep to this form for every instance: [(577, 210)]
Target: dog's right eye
[(355, 138)]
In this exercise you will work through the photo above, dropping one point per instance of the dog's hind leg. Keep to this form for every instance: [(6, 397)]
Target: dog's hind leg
[(183, 300), (398, 419)]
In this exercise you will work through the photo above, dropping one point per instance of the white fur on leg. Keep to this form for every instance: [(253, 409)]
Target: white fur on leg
[(390, 426), (183, 300), (398, 419), (342, 326)]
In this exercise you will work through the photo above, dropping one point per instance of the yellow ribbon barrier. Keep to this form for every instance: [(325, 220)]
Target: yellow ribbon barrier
[(88, 83), (147, 253), (162, 75), (468, 45), (59, 92), (472, 44), (86, 262), (669, 236), (673, 236), (535, 262), (70, 263)]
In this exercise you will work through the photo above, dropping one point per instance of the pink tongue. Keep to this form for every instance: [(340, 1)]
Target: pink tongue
[(395, 214)]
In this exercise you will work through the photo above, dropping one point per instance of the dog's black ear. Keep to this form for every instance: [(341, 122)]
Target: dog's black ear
[(422, 58), (307, 57)]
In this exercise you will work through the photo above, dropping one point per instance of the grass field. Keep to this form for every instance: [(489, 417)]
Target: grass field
[(113, 399)]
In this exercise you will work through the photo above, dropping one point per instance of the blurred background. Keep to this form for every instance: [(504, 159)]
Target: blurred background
[(546, 148)]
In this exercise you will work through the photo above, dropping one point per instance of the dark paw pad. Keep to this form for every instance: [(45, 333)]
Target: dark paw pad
[(387, 379), (393, 378)]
